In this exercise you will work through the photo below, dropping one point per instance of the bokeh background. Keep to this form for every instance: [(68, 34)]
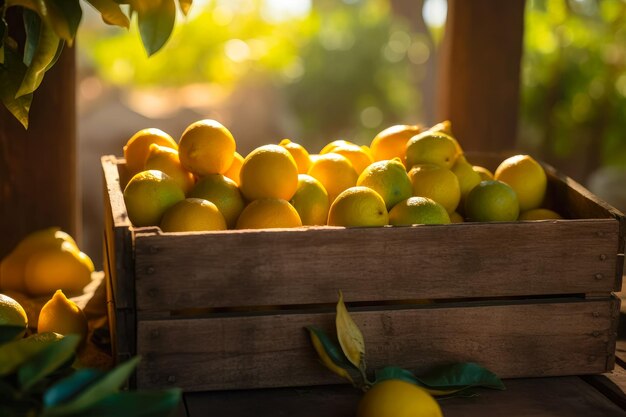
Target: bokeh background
[(319, 70)]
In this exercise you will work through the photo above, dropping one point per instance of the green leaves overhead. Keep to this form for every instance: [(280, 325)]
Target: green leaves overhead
[(156, 21), (11, 75)]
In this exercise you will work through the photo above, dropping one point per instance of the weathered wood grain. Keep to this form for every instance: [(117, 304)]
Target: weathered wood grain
[(612, 385), (294, 266), (513, 340)]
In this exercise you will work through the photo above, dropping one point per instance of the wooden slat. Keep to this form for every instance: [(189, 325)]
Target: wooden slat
[(611, 385), (515, 340), (293, 266), (544, 397)]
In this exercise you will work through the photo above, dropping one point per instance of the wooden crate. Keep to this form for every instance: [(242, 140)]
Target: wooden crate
[(226, 310)]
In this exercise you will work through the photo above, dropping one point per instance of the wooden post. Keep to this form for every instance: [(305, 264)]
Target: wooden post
[(38, 165), (479, 83)]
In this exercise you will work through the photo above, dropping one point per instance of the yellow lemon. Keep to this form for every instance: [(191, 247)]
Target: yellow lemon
[(455, 217), (358, 207), (63, 267), (206, 147), (357, 155), (396, 398), (166, 160), (137, 147), (13, 314), (391, 142), (63, 316), (335, 172), (485, 174), (311, 201), (444, 127), (192, 215), (431, 148), (13, 265), (389, 179), (299, 153), (268, 213), (527, 178), (224, 193), (328, 148), (539, 214), (233, 171), (148, 195), (269, 171), (468, 178), (437, 183), (418, 210), (492, 201)]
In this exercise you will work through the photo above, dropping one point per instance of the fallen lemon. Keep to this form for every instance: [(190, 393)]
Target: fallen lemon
[(13, 314), (63, 316), (396, 398)]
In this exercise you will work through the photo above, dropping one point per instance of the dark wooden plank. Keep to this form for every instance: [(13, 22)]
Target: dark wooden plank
[(479, 81), (611, 385), (293, 266), (545, 397), (513, 340)]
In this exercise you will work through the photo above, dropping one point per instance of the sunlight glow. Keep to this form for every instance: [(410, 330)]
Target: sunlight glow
[(435, 12)]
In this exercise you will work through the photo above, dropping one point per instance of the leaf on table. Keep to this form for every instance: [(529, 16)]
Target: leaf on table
[(9, 333), (156, 22), (47, 361), (460, 376), (111, 12), (350, 337), (329, 353), (16, 353), (11, 76), (394, 372), (97, 391), (184, 5), (69, 387)]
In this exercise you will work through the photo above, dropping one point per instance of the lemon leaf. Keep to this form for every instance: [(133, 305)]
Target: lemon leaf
[(349, 335), (156, 21), (110, 12), (10, 332), (184, 5), (3, 35), (69, 387), (328, 352), (14, 354), (11, 76), (460, 376), (50, 359)]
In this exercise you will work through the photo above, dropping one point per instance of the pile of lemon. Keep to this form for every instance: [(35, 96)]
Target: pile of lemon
[(408, 175)]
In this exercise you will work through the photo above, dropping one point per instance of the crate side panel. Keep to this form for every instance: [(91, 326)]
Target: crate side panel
[(269, 351), (246, 268)]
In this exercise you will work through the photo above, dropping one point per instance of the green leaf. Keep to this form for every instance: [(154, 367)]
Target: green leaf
[(350, 337), (97, 391), (329, 353), (184, 5), (32, 26), (41, 57), (461, 375), (111, 12), (47, 361), (14, 354), (134, 404), (69, 387), (64, 16), (394, 372), (156, 21), (10, 333), (11, 76), (3, 35)]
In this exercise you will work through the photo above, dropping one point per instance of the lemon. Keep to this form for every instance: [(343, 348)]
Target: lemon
[(485, 174), (391, 142), (389, 179), (311, 201), (468, 178), (12, 267), (137, 147), (193, 215), (358, 207), (63, 267), (269, 171), (431, 148), (527, 178), (418, 210), (12, 314), (63, 316), (224, 193), (444, 127), (539, 214), (328, 148), (396, 398), (148, 195), (357, 155), (233, 171), (437, 183), (299, 153), (491, 201), (206, 147), (335, 172), (455, 217), (166, 160), (268, 213)]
